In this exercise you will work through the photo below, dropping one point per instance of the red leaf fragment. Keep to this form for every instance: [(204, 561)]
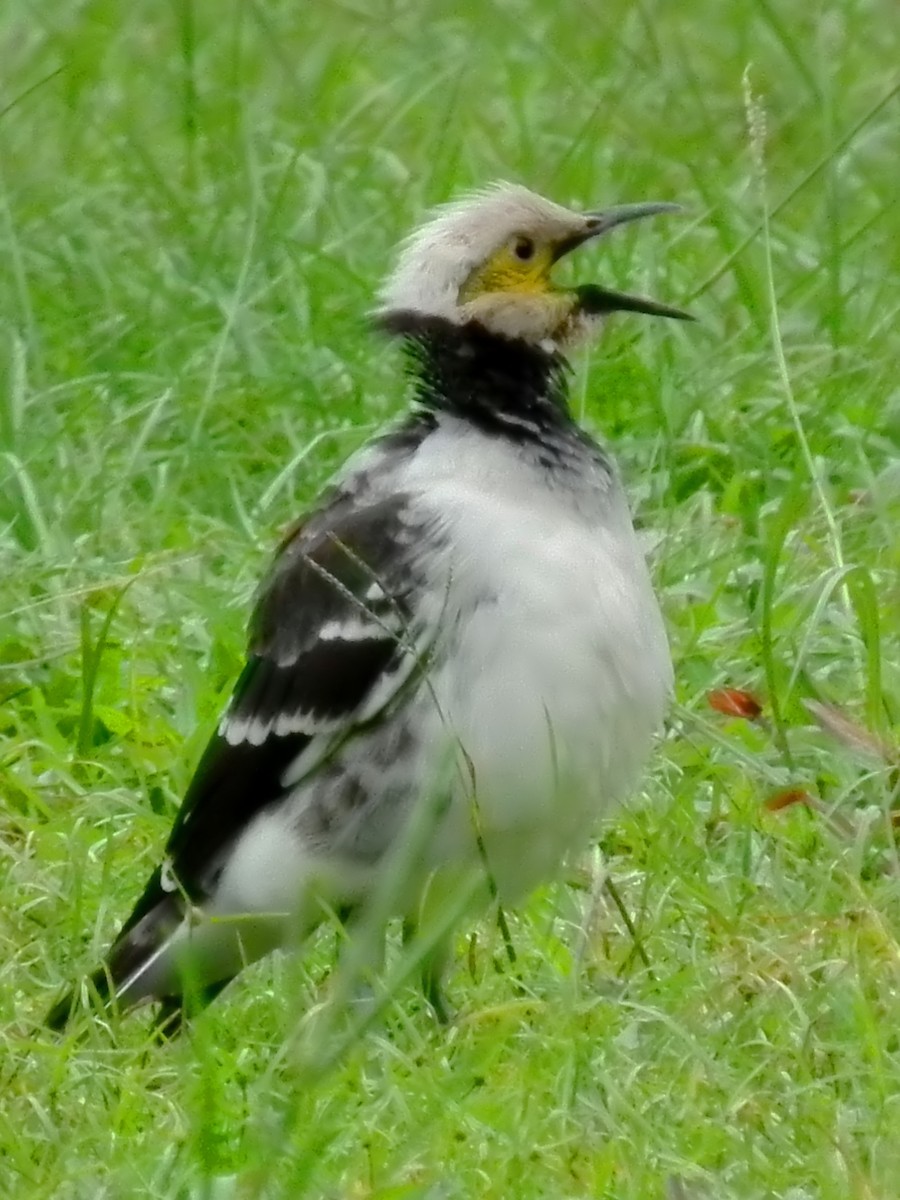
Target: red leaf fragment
[(734, 702)]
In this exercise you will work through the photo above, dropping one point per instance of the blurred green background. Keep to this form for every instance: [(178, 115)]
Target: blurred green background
[(196, 205)]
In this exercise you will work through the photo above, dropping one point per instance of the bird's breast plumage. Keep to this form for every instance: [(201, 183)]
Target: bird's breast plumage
[(552, 670)]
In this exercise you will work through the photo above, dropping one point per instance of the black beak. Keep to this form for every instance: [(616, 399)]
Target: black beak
[(595, 300), (598, 300), (622, 214)]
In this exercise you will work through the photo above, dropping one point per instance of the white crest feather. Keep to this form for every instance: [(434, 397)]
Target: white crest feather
[(437, 258)]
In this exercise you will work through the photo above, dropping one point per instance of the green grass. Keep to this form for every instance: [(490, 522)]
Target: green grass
[(196, 202)]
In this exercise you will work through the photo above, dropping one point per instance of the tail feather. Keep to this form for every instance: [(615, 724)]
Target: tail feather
[(160, 955), (63, 1010), (132, 973)]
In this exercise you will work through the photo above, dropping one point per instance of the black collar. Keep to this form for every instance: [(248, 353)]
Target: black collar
[(503, 385)]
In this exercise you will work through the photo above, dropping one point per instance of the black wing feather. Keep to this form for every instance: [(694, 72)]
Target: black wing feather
[(334, 635), (322, 580)]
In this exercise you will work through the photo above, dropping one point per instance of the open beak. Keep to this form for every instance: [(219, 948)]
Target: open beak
[(595, 300)]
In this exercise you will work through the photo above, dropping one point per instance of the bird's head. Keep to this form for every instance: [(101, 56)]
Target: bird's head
[(489, 258)]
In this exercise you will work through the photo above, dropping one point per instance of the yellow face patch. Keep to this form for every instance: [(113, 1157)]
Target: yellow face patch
[(521, 265)]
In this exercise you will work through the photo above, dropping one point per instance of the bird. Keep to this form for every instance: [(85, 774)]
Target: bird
[(462, 626)]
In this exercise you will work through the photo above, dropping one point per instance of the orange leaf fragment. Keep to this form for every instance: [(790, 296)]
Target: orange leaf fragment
[(788, 796), (734, 702)]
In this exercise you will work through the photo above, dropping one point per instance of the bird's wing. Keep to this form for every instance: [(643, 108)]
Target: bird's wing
[(341, 624), (339, 627)]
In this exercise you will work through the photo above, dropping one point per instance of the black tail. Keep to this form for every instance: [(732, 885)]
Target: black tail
[(156, 916), (61, 1013)]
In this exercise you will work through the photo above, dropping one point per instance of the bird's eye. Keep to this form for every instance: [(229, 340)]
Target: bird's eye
[(523, 248)]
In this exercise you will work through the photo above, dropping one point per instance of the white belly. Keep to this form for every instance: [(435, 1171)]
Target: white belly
[(555, 679)]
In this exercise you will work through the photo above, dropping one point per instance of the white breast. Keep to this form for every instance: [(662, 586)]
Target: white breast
[(557, 672)]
